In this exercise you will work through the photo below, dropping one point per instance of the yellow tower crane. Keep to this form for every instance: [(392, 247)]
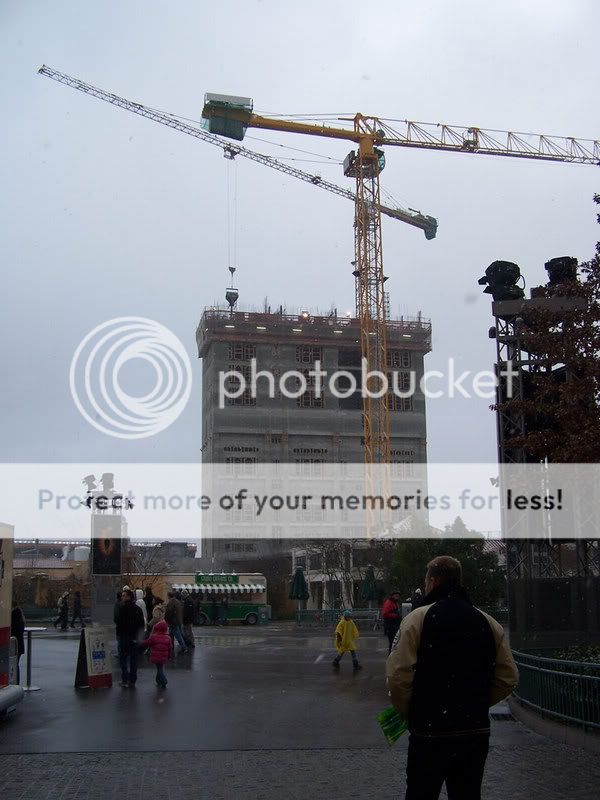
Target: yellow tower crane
[(230, 117)]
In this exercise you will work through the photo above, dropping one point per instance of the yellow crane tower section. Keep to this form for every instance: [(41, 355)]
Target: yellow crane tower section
[(231, 116)]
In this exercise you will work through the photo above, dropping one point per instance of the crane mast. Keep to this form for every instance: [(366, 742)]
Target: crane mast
[(365, 166)]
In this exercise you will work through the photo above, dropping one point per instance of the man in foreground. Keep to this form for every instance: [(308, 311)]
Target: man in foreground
[(451, 663)]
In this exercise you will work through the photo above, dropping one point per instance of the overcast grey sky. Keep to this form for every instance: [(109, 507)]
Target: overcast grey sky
[(105, 214)]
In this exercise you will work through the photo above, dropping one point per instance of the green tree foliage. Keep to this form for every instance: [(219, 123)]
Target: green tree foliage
[(482, 577)]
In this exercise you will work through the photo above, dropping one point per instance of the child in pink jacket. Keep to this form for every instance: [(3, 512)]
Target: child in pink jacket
[(160, 650)]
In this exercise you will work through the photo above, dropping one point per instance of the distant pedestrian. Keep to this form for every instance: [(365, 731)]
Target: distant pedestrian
[(77, 611), (174, 619), (129, 622), (224, 611), (214, 610), (139, 601), (196, 598), (161, 647), (416, 599), (346, 634), (63, 611), (149, 601), (452, 662), (158, 613), (117, 604), (391, 616), (188, 620), (17, 629)]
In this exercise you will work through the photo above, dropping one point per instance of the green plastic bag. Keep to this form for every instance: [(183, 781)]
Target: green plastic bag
[(392, 724)]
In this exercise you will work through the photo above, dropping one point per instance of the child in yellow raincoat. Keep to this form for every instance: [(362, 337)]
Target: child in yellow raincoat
[(345, 635)]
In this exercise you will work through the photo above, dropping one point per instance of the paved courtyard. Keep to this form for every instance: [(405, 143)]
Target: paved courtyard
[(252, 713)]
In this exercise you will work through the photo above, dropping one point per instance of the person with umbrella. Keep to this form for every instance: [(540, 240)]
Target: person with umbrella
[(391, 616)]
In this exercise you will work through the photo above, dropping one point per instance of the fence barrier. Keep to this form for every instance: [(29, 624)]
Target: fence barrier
[(566, 690), (363, 617)]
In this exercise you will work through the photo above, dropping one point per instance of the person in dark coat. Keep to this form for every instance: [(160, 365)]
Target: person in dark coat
[(149, 601), (117, 604), (224, 611), (129, 622), (451, 664), (63, 612), (77, 611), (391, 616), (17, 629), (174, 619), (214, 610), (188, 620), (416, 599)]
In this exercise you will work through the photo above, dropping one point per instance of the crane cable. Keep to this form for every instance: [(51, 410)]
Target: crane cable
[(232, 215)]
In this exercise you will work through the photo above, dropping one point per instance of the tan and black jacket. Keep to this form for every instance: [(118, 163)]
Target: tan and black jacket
[(451, 663)]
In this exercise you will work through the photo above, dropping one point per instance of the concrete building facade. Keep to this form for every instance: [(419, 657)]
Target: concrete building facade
[(273, 427)]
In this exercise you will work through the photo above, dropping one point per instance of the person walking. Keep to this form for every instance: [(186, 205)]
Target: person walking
[(160, 646), (63, 611), (140, 603), (214, 610), (346, 634), (149, 601), (452, 662), (129, 622), (188, 620), (224, 610), (17, 629), (391, 616), (77, 611), (416, 599), (174, 619)]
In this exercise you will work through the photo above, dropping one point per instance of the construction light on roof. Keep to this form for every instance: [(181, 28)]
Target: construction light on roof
[(305, 315)]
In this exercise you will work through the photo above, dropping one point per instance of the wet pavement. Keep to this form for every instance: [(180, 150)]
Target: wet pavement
[(251, 713)]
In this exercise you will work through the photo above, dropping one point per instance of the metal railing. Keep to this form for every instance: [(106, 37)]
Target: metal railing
[(566, 690), (363, 617)]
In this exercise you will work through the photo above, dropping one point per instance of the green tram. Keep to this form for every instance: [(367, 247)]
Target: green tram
[(246, 596)]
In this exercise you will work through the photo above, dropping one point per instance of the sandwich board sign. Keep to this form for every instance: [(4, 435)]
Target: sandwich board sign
[(94, 668)]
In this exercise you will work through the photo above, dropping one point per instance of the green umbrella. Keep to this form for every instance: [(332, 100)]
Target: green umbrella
[(299, 589), (368, 590)]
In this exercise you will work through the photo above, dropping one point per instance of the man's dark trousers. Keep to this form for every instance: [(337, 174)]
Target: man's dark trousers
[(128, 651), (390, 628), (459, 760)]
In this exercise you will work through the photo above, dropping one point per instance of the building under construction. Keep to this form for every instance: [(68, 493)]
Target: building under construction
[(270, 426)]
